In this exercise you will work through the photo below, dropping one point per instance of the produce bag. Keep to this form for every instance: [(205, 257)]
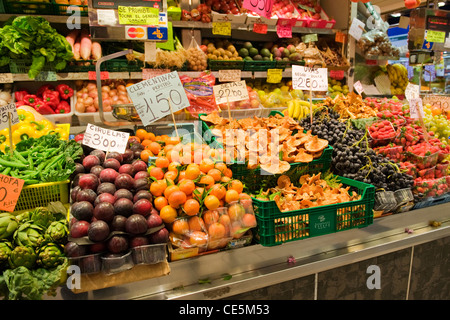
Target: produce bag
[(189, 232), (218, 223), (242, 217), (197, 59), (200, 93)]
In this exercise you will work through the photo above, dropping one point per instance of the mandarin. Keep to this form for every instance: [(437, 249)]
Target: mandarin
[(196, 224), (231, 195), (168, 214), (180, 226), (160, 202), (191, 207), (177, 198)]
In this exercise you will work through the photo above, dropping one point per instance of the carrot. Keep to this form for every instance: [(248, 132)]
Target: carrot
[(85, 45)]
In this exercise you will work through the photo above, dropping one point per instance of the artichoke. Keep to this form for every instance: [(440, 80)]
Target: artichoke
[(41, 217), (50, 255), (57, 231), (22, 256), (29, 234), (5, 252), (8, 225)]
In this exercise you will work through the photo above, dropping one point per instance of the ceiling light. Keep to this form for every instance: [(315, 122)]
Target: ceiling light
[(441, 4), (396, 15)]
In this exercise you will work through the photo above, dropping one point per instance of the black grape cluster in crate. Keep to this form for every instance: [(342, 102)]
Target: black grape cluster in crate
[(352, 157)]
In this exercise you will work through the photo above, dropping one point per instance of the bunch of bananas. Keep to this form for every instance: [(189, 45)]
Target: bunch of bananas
[(398, 75), (298, 109)]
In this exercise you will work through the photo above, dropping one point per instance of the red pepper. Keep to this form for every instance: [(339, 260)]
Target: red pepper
[(51, 97), (63, 107), (31, 99), (64, 91), (43, 108), (20, 103), (79, 137), (44, 88), (19, 95)]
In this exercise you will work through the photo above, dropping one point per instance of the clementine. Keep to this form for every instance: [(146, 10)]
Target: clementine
[(191, 207), (168, 214), (177, 198)]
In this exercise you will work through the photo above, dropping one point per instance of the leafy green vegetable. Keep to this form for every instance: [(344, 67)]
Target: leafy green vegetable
[(28, 37)]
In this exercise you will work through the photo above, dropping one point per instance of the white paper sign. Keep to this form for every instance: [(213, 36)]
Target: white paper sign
[(5, 111), (415, 106), (230, 92), (106, 17), (358, 87), (356, 28), (150, 51), (105, 139), (229, 75), (151, 97), (6, 78), (412, 91), (305, 78)]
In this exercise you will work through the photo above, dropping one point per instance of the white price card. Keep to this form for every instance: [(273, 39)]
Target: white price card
[(306, 78), (412, 91), (7, 111), (416, 108), (151, 97), (105, 139), (230, 75), (356, 28), (6, 78), (358, 87), (230, 92)]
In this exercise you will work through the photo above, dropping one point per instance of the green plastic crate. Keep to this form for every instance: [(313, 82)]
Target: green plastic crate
[(29, 7), (61, 9), (216, 65), (23, 66), (275, 227), (123, 65), (259, 65)]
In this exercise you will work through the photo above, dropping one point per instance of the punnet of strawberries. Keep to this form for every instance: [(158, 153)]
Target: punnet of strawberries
[(423, 155)]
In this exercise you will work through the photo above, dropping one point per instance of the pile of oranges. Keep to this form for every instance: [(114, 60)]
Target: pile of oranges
[(195, 193)]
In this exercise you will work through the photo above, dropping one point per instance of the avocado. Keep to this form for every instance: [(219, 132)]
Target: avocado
[(265, 52), (253, 52), (258, 57), (248, 58), (247, 45), (243, 52)]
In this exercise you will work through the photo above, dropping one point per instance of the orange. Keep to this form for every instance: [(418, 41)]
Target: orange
[(210, 217), (157, 187), (157, 173), (181, 175), (191, 207), (173, 166), (177, 198), (198, 238), (187, 186), (244, 196), (160, 202), (236, 185), (150, 136), (216, 174), (146, 154), (207, 180), (228, 173), (196, 224), (231, 195), (180, 226), (141, 134), (172, 175), (211, 202), (220, 166), (164, 137), (154, 147), (225, 179), (169, 191), (248, 220), (168, 214), (172, 140), (162, 162), (226, 221), (218, 190), (206, 165), (146, 142), (192, 171), (236, 212), (216, 230)]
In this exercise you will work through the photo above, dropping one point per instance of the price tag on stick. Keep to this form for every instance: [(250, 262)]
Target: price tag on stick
[(10, 189), (229, 92), (7, 113), (105, 139), (306, 78)]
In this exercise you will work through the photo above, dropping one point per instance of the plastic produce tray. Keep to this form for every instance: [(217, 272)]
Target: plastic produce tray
[(216, 65), (29, 7), (61, 9), (259, 65), (276, 227)]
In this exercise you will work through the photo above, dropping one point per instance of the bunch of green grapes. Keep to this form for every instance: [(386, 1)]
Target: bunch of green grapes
[(437, 123)]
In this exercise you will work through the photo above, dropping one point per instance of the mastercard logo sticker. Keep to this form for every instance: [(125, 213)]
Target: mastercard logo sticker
[(136, 33)]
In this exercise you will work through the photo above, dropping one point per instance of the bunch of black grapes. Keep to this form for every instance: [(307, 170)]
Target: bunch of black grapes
[(352, 156)]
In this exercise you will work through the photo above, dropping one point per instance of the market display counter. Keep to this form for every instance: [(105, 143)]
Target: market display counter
[(402, 256)]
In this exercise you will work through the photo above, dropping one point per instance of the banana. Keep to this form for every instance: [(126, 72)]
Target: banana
[(291, 108), (297, 111)]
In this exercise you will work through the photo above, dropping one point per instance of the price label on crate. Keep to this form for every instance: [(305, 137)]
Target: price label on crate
[(6, 78), (337, 74), (356, 28), (105, 139), (151, 97), (309, 38), (284, 31), (221, 28), (10, 189), (231, 75), (260, 28), (151, 73), (305, 78), (340, 37), (7, 111), (104, 75), (412, 91), (274, 75), (230, 92), (261, 7), (416, 108), (46, 76)]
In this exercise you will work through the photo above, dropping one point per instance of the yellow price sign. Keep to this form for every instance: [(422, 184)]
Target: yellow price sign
[(221, 28), (144, 16), (274, 75)]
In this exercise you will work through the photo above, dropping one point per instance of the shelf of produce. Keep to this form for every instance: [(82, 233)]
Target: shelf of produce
[(49, 18), (254, 267)]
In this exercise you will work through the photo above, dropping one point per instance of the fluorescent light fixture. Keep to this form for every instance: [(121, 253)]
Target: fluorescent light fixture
[(441, 4), (396, 15)]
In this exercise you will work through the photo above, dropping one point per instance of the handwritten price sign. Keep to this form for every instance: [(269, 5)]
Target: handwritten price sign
[(10, 189), (229, 92), (221, 28), (261, 7), (284, 31), (305, 78), (105, 139), (7, 111)]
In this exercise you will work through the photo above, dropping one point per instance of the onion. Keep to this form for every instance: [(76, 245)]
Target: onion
[(113, 92), (91, 109), (106, 89), (115, 98), (89, 101), (3, 103), (91, 86), (79, 107), (85, 95), (6, 96), (93, 93), (121, 87)]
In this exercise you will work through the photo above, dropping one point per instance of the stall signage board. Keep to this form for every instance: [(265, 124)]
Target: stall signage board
[(416, 108), (4, 115), (151, 97), (105, 139), (435, 36), (274, 75), (10, 189), (221, 28), (305, 78), (230, 92), (437, 101), (284, 31)]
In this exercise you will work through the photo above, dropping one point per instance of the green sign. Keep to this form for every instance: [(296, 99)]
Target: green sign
[(142, 16)]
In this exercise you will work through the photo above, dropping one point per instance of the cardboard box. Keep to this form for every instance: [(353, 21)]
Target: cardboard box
[(324, 23), (223, 17), (252, 19), (185, 253)]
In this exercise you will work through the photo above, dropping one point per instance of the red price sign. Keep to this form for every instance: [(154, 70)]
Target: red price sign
[(10, 189), (337, 74), (261, 7), (104, 75), (284, 31), (260, 28)]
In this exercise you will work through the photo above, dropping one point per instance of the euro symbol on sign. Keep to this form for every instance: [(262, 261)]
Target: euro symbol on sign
[(158, 34)]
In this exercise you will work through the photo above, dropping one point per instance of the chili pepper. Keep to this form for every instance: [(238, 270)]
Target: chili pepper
[(51, 98), (19, 95), (63, 107), (44, 88), (65, 91), (43, 108), (31, 99)]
